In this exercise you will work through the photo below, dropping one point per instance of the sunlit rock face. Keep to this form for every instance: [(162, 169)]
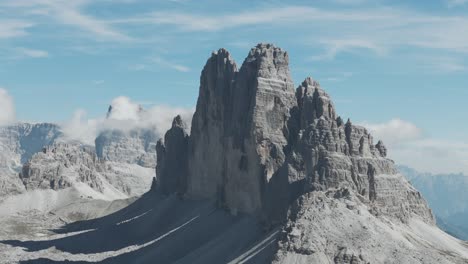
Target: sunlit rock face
[(137, 146)]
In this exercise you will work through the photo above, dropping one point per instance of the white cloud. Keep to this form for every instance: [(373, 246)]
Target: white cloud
[(443, 64), (13, 28), (126, 115), (430, 155), (164, 63), (336, 46), (67, 13), (32, 53), (379, 30), (7, 108), (350, 2), (408, 146), (395, 131), (80, 128), (455, 3)]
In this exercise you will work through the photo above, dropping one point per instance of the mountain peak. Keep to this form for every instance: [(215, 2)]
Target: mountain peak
[(261, 138), (269, 62)]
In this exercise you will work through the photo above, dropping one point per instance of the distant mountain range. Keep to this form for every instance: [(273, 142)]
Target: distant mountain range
[(38, 163), (447, 195)]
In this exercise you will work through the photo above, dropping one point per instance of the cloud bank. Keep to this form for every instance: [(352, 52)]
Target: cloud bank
[(409, 146), (395, 131), (124, 115), (7, 108)]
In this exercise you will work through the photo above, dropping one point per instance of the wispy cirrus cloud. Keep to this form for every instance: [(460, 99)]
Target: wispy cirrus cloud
[(339, 30), (153, 62), (455, 3), (32, 53), (67, 13), (165, 63), (10, 28)]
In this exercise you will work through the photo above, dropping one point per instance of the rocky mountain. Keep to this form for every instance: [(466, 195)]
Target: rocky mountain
[(260, 147), (38, 161), (268, 174), (447, 197), (131, 146), (18, 143), (137, 146), (64, 165)]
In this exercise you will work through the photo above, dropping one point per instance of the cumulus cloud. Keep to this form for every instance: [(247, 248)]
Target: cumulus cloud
[(80, 128), (409, 146), (124, 115), (122, 108), (7, 108), (394, 131)]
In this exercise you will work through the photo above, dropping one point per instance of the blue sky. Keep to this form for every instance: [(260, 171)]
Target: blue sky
[(400, 67)]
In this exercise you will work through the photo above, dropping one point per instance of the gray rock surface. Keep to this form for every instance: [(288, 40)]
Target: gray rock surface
[(39, 157), (137, 146), (131, 145), (171, 169), (17, 144), (54, 166), (64, 165)]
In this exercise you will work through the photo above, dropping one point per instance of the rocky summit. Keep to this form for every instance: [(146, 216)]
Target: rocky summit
[(257, 144), (284, 156)]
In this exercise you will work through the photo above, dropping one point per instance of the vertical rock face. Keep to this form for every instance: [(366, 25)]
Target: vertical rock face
[(209, 125), (257, 144), (240, 127), (171, 168), (263, 95)]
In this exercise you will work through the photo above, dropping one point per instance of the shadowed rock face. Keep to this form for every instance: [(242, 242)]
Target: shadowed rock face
[(257, 144), (209, 126), (171, 168)]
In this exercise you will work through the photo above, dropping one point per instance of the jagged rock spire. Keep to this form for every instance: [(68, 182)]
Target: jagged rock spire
[(314, 102), (209, 124), (171, 168)]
